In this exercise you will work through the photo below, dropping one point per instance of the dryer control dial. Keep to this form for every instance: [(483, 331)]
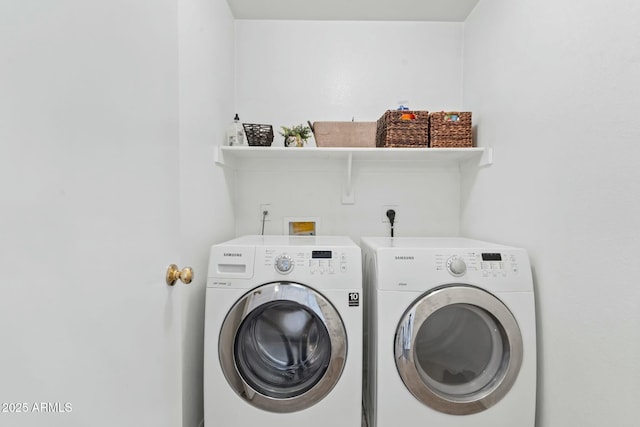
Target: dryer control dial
[(284, 264), (456, 266)]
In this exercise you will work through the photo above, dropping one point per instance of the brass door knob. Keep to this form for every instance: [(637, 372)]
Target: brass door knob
[(174, 273)]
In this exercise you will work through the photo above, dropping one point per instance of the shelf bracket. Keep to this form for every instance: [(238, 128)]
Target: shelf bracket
[(218, 156), (348, 196), (487, 157), (221, 160)]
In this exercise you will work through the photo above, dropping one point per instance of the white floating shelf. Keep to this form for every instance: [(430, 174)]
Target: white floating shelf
[(232, 155)]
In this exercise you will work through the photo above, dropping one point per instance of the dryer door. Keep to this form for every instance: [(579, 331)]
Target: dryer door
[(458, 349), (283, 347)]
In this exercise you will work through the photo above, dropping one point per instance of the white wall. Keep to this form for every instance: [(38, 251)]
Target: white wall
[(555, 89), (288, 72), (427, 199), (206, 52)]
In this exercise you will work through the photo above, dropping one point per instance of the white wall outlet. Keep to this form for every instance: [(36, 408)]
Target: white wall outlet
[(383, 213), (265, 207)]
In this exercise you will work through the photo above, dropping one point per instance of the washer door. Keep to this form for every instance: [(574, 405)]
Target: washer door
[(282, 347), (458, 349)]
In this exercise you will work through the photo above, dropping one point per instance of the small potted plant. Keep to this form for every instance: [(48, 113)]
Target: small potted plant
[(296, 136)]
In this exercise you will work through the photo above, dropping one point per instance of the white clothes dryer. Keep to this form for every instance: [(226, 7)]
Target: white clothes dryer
[(450, 333), (283, 332)]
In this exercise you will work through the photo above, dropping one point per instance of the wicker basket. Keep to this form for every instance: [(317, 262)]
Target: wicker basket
[(258, 135), (450, 129), (398, 128)]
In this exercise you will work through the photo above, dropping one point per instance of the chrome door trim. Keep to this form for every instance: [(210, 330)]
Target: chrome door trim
[(283, 291), (408, 329)]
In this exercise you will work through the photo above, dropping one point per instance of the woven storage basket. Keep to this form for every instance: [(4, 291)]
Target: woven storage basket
[(398, 128), (450, 129), (345, 134), (258, 135)]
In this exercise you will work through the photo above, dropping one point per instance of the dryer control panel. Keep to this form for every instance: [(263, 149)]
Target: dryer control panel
[(419, 264), (489, 264), (495, 263)]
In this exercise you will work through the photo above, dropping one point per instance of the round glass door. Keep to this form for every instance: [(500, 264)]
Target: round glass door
[(282, 347), (458, 350)]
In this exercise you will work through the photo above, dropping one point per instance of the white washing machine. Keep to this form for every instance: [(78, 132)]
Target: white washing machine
[(283, 332), (450, 333)]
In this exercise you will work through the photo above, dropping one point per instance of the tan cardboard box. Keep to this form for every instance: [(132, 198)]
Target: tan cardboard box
[(345, 134)]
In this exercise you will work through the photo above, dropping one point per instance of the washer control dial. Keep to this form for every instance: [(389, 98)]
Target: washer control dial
[(456, 266), (284, 264)]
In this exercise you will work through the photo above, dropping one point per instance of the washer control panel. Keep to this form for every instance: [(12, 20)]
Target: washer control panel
[(489, 264), (310, 261)]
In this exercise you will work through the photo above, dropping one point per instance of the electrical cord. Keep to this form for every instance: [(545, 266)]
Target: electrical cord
[(391, 214), (264, 218)]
